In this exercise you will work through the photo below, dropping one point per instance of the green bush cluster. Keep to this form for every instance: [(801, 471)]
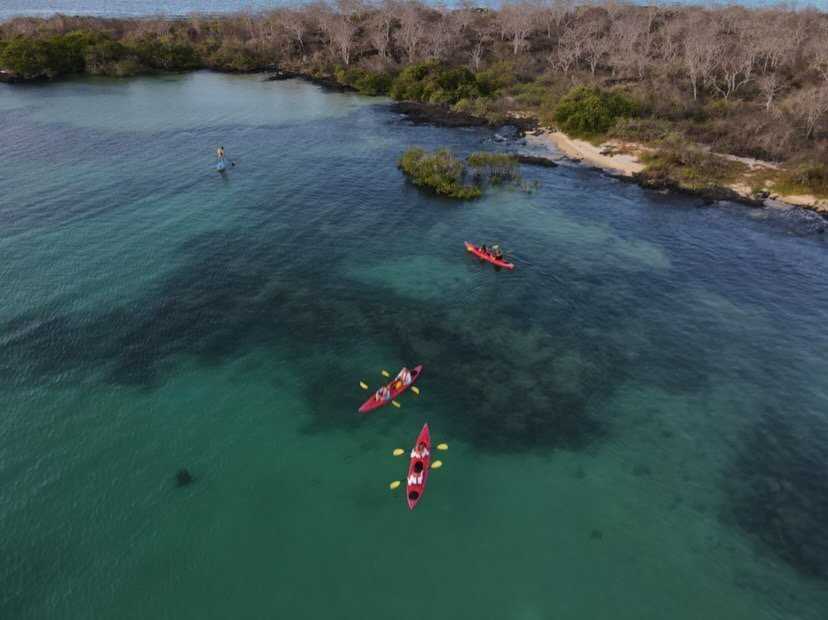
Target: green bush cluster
[(231, 56), (97, 53), (497, 167), (588, 111), (448, 176), (432, 82), (365, 82), (47, 57), (440, 171)]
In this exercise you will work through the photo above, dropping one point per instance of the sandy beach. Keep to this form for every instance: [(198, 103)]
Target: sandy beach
[(624, 164), (620, 158)]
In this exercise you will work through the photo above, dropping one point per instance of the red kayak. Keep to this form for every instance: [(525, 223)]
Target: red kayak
[(497, 262), (391, 391), (418, 468)]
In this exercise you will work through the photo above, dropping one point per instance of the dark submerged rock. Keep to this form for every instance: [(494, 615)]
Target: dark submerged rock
[(777, 492), (596, 535), (709, 195), (8, 77), (432, 114), (534, 160), (183, 477), (328, 83)]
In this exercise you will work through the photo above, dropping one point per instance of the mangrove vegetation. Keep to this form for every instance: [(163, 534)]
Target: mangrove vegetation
[(443, 173)]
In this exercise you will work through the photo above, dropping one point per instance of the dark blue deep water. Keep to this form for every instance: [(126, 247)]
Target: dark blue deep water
[(637, 416)]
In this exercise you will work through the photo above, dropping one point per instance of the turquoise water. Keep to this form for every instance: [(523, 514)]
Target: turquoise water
[(637, 415)]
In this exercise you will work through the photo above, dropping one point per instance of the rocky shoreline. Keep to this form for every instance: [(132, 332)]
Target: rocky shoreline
[(627, 167)]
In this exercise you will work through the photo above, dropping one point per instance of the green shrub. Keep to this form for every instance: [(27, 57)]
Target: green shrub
[(165, 54), (497, 167), (448, 176), (29, 58), (432, 82), (441, 172), (689, 165), (33, 57), (104, 58), (233, 56), (588, 112), (364, 81), (499, 76)]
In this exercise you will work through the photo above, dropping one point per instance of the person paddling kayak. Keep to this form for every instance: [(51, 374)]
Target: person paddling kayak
[(420, 451), (403, 378), (383, 394), (493, 255)]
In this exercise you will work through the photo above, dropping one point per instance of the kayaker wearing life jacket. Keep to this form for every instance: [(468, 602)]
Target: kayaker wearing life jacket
[(383, 393), (420, 452), (497, 252), (403, 378)]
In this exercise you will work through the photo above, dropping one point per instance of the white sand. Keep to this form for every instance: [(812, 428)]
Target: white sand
[(628, 164)]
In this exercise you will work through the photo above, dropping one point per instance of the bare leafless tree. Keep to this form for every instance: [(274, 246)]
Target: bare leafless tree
[(378, 30), (516, 23), (595, 42), (342, 32), (412, 29), (733, 70), (819, 55), (441, 35), (810, 105), (701, 52), (770, 86), (569, 50), (295, 23), (628, 38)]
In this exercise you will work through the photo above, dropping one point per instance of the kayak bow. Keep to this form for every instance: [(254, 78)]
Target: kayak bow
[(488, 257), (418, 468), (395, 389)]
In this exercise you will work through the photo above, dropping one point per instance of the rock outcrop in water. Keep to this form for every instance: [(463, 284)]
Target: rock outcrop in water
[(183, 477)]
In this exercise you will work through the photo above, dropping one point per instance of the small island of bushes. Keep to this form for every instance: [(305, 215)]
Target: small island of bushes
[(443, 173)]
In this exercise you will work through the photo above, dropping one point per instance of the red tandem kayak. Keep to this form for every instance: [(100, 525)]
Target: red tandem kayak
[(395, 389), (418, 468), (488, 257)]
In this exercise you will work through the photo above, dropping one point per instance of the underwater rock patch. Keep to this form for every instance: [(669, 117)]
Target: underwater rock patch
[(183, 477), (778, 491)]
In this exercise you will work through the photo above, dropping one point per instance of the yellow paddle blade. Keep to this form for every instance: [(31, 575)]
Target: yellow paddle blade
[(415, 389), (394, 485), (385, 373), (399, 452), (436, 464), (396, 404), (363, 385), (442, 446)]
